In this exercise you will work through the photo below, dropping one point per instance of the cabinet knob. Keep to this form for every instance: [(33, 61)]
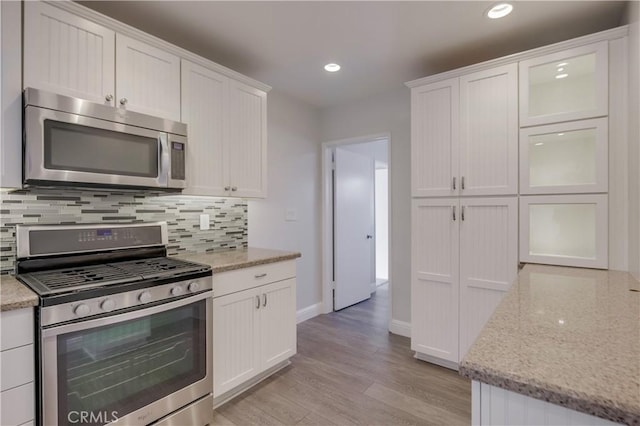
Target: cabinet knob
[(123, 101), (234, 188), (369, 237), (108, 98)]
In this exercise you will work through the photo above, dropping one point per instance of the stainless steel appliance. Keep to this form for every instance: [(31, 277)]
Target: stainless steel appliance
[(69, 141), (124, 332)]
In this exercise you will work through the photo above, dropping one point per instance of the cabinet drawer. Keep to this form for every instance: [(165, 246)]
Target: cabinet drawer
[(17, 328), (16, 366), (255, 276), (22, 403)]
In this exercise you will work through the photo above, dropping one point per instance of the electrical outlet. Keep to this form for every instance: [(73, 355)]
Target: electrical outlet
[(204, 222)]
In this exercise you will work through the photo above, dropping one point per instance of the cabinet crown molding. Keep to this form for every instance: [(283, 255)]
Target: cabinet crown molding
[(140, 35), (607, 35)]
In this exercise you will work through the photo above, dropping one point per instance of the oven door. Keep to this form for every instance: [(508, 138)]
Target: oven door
[(133, 368), (69, 148)]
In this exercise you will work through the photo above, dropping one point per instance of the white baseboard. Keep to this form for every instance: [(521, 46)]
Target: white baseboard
[(308, 312), (437, 361), (400, 327)]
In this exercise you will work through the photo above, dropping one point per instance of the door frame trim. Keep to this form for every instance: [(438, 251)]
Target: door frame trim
[(327, 216)]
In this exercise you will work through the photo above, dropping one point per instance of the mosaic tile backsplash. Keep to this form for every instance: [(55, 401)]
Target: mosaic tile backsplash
[(228, 216)]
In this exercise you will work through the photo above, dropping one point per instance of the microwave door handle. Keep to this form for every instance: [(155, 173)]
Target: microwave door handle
[(164, 166)]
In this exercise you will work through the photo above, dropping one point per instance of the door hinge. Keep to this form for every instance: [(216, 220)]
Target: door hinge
[(333, 285)]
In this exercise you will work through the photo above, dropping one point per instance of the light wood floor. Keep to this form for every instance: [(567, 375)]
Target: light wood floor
[(350, 370)]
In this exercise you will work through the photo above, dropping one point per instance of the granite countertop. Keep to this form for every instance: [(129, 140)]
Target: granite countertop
[(569, 336), (15, 295), (230, 260)]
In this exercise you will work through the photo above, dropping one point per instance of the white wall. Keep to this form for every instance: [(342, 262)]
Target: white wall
[(382, 229), (293, 183), (385, 112), (633, 19)]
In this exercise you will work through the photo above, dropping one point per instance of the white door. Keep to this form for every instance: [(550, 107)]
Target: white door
[(147, 79), (488, 260), (489, 132), (236, 348), (247, 142), (434, 281), (67, 54), (353, 227), (277, 322), (434, 139), (204, 104)]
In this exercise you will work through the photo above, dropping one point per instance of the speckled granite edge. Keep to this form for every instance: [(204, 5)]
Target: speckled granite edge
[(606, 409), (256, 262), (15, 295)]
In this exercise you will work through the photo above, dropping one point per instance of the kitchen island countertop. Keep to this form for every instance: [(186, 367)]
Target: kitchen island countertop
[(229, 260), (569, 336), (15, 295)]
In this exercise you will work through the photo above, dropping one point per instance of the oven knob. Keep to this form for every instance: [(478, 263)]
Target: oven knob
[(108, 305), (144, 297), (194, 286), (176, 291), (82, 310)]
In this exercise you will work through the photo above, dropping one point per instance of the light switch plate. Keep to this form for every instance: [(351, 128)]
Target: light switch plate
[(204, 222), (291, 215)]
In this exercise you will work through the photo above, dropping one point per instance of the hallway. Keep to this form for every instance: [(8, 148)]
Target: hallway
[(350, 370)]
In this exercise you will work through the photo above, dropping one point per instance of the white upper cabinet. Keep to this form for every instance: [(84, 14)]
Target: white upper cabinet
[(489, 132), (565, 86), (434, 139), (204, 101), (247, 143), (564, 158), (147, 79), (67, 54)]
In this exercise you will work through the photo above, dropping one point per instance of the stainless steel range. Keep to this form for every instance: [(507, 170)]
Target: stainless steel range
[(124, 332)]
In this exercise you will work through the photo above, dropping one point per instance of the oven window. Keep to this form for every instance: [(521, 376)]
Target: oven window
[(116, 369), (80, 148)]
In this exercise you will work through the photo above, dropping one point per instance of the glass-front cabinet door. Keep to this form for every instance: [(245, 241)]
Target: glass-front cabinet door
[(564, 86), (568, 230), (564, 158)]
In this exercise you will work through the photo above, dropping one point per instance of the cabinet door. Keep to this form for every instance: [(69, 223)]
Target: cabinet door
[(277, 322), (488, 260), (67, 54), (569, 230), (565, 158), (434, 283), (236, 342), (247, 140), (434, 139), (489, 132), (204, 94), (148, 79), (563, 86)]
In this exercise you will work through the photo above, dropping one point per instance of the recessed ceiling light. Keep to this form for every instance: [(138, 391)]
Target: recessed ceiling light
[(560, 69), (560, 134), (332, 67), (562, 64), (499, 10), (540, 144), (562, 76)]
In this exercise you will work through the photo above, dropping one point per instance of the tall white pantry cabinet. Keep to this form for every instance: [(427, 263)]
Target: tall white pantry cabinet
[(515, 159)]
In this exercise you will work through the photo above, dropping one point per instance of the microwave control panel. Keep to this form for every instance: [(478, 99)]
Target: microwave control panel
[(177, 160)]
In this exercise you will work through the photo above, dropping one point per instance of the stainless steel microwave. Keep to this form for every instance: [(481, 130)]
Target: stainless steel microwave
[(74, 142)]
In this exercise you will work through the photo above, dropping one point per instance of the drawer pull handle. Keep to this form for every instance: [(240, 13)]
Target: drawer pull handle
[(261, 275), (264, 300), (257, 302)]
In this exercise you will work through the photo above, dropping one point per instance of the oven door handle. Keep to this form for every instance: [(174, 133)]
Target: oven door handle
[(113, 319)]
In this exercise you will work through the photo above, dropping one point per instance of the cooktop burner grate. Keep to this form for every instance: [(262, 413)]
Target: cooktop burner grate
[(159, 266)]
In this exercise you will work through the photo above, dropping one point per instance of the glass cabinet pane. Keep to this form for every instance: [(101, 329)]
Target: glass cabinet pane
[(564, 158), (564, 86), (568, 230)]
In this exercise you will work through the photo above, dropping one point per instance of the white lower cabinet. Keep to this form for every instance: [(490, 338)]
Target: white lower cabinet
[(254, 324), (465, 257), (17, 366)]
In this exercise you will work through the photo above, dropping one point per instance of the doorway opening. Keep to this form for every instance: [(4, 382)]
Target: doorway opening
[(356, 220)]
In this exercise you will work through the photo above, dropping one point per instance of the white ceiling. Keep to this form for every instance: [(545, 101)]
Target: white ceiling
[(380, 45)]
